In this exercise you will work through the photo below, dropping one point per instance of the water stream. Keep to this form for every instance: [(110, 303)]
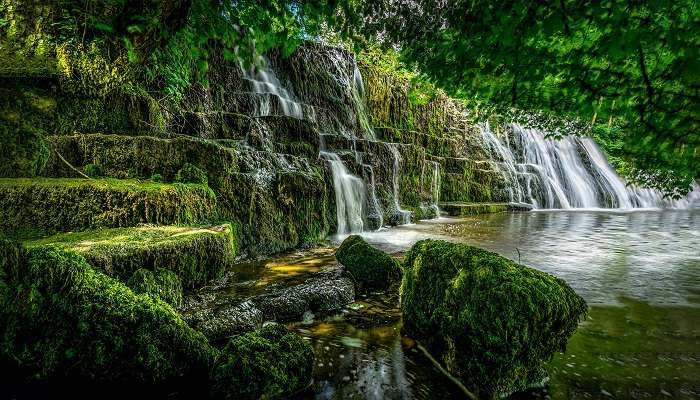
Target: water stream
[(638, 271)]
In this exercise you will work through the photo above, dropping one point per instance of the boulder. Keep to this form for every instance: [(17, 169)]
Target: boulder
[(269, 363), (491, 322), (371, 268)]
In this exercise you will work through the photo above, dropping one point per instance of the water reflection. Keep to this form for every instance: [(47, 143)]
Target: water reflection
[(650, 256)]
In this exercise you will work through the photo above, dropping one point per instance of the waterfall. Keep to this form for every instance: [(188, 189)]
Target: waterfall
[(264, 82), (401, 216), (571, 172), (350, 195)]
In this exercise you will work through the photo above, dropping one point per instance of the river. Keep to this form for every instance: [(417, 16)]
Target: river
[(639, 271)]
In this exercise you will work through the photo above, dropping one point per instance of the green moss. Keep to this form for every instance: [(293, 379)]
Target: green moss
[(24, 151), (371, 268), (52, 205), (492, 323), (161, 284), (157, 178), (195, 255), (142, 156), (59, 318), (93, 170), (269, 363), (191, 174)]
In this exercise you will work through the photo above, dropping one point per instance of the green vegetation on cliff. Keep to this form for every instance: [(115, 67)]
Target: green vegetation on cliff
[(160, 284), (51, 205), (491, 322)]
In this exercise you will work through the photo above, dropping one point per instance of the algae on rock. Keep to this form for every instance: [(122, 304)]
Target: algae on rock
[(195, 255), (160, 284), (371, 268), (61, 318), (269, 363), (491, 322)]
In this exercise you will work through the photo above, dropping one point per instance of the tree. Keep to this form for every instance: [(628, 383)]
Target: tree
[(633, 65)]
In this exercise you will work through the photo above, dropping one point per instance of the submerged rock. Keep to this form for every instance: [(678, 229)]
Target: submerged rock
[(371, 268), (61, 318), (220, 316), (227, 320), (492, 322), (324, 292), (269, 363)]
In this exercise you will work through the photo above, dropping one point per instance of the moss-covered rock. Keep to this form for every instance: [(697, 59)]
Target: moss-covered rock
[(371, 268), (161, 284), (191, 174), (61, 318), (51, 205), (492, 322), (195, 255), (269, 363)]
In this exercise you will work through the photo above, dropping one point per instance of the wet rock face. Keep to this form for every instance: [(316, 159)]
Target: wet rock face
[(269, 363), (371, 268), (221, 317), (491, 322), (325, 292)]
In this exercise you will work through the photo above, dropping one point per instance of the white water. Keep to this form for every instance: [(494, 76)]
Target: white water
[(403, 217), (568, 173), (350, 195), (263, 81)]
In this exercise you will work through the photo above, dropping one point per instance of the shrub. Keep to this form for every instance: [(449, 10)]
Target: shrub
[(371, 268), (492, 322), (191, 174), (269, 363)]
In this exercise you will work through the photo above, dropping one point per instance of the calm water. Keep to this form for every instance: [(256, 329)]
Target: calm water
[(639, 272)]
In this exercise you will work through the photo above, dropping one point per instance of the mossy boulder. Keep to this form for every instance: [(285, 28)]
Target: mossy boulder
[(491, 322), (160, 284), (195, 255), (61, 318), (269, 363), (371, 268)]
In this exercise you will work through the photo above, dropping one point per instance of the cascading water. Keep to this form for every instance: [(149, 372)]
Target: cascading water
[(350, 195), (568, 173), (264, 82), (401, 216)]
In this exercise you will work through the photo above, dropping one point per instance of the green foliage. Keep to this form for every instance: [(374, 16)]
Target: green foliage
[(195, 255), (493, 323), (61, 318), (53, 205), (93, 170), (157, 178), (24, 151), (160, 284), (632, 64), (191, 174), (371, 268), (270, 363)]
